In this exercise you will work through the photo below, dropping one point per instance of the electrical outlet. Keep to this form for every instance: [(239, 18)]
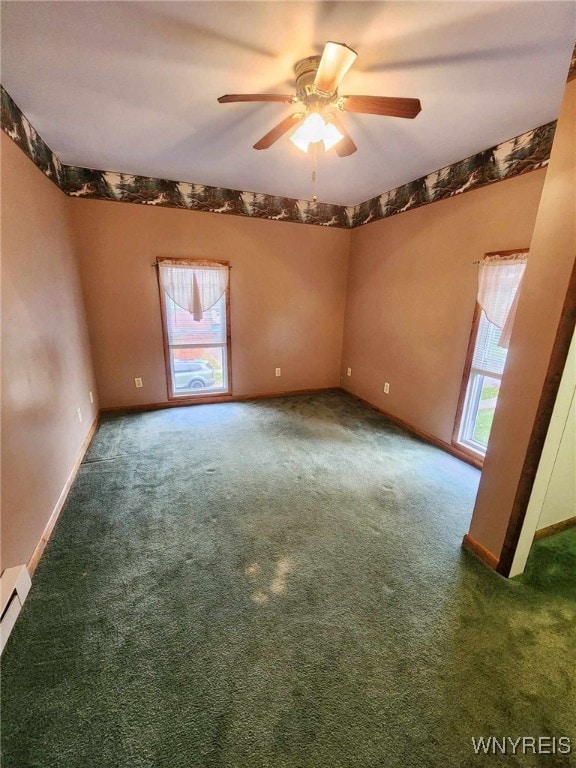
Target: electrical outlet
[(386, 388), (91, 397), (278, 372), (138, 382), (349, 372), (79, 412)]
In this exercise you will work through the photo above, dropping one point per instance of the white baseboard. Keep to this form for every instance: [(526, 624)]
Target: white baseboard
[(15, 584)]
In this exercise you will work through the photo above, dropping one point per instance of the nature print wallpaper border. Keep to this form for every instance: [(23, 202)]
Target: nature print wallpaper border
[(572, 67), (77, 181), (128, 188), (527, 152), (17, 126), (524, 153)]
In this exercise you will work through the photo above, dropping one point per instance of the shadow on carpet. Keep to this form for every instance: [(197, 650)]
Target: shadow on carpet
[(278, 584)]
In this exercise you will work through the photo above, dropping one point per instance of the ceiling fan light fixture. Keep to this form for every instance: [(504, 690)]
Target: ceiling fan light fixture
[(315, 129), (331, 136)]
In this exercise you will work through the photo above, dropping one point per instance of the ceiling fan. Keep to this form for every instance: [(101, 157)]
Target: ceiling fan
[(317, 81)]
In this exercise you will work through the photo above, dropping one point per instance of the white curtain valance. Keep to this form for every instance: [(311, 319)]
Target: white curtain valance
[(193, 288), (499, 282)]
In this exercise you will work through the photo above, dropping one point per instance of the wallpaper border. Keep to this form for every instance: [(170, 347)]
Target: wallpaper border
[(527, 152), (572, 66), (77, 181), (16, 125)]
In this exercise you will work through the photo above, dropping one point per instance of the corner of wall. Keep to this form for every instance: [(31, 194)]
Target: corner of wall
[(539, 346)]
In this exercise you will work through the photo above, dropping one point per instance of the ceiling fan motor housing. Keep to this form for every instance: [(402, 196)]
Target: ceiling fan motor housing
[(305, 70)]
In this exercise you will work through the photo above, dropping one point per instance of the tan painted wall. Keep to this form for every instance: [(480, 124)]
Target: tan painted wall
[(288, 286), (411, 296), (46, 367), (550, 264)]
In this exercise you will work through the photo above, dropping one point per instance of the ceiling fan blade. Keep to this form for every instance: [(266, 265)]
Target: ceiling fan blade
[(256, 97), (345, 146), (382, 105), (279, 130), (337, 58)]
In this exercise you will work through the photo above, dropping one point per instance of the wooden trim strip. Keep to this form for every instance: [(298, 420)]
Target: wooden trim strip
[(165, 339), (558, 358), (228, 344), (505, 253), (183, 402), (190, 262), (483, 554), (466, 374), (451, 449), (550, 530), (37, 554), (468, 369)]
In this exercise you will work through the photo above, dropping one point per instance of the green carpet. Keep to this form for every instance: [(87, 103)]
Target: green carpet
[(280, 584)]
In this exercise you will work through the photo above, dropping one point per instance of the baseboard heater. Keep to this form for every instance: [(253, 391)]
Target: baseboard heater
[(14, 587)]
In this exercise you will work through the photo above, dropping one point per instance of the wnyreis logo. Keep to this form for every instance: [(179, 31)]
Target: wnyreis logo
[(522, 745)]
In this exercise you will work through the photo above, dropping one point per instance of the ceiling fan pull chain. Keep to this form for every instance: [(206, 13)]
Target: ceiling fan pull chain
[(315, 174)]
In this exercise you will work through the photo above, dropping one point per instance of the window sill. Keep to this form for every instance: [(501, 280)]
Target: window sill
[(204, 397), (475, 456)]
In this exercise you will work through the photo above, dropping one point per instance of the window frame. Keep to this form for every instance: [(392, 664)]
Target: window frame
[(188, 398), (478, 456), (464, 387)]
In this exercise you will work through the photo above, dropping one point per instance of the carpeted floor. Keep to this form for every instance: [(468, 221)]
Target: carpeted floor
[(280, 584)]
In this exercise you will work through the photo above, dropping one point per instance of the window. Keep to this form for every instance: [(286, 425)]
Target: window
[(499, 285), (194, 297)]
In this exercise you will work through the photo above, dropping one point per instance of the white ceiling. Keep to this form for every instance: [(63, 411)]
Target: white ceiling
[(132, 86)]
